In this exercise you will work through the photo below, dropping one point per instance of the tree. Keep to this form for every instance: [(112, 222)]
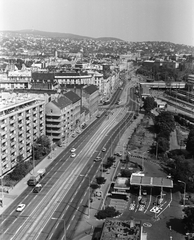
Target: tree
[(126, 173), (149, 104), (163, 144), (165, 122), (107, 212), (41, 147), (182, 169), (20, 171), (188, 220), (100, 180)]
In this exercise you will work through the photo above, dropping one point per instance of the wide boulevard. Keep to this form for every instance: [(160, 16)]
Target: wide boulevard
[(63, 198)]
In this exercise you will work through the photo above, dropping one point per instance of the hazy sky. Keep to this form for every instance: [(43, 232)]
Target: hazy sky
[(130, 20)]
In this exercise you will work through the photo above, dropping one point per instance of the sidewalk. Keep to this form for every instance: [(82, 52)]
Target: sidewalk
[(14, 192), (87, 225)]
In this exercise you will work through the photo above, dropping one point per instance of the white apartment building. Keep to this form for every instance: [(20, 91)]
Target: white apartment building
[(22, 121)]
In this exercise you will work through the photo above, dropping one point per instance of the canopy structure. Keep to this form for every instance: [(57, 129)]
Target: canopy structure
[(151, 181)]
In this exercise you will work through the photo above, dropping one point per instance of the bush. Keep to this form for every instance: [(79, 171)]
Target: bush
[(179, 152), (100, 180), (94, 186), (107, 212)]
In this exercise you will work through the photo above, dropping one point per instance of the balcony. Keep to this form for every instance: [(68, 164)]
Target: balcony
[(4, 147), (27, 113), (28, 128), (12, 120), (20, 138), (12, 134), (3, 155), (3, 140), (3, 125), (54, 120), (41, 127), (53, 131), (35, 130), (20, 123), (12, 127), (20, 117), (13, 143), (28, 120), (53, 114)]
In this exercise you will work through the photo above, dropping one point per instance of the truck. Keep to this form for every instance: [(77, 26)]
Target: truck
[(36, 178), (41, 172)]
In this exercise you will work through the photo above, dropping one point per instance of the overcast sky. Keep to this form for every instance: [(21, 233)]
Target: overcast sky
[(130, 20)]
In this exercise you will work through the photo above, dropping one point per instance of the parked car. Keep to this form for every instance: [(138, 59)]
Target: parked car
[(118, 154), (144, 192), (143, 201), (20, 207), (104, 149)]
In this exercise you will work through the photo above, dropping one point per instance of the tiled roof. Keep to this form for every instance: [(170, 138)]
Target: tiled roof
[(62, 102), (90, 89), (73, 97)]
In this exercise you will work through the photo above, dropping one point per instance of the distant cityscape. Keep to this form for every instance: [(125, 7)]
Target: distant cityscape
[(54, 85)]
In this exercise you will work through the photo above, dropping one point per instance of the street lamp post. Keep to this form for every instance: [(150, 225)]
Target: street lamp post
[(142, 163), (64, 226), (81, 175), (184, 191), (33, 159), (2, 194)]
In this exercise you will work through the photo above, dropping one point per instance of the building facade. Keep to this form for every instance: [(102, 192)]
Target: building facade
[(59, 117), (22, 121), (90, 98), (63, 116)]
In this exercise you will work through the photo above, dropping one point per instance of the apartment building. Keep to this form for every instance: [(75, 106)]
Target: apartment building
[(63, 116), (22, 121), (76, 108), (58, 119)]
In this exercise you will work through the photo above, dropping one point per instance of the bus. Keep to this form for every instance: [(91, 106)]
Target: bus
[(37, 188)]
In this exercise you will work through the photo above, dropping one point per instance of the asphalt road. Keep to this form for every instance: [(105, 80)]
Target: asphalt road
[(67, 218)]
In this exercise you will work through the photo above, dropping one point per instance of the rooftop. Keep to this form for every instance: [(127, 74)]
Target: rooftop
[(62, 102), (151, 181), (121, 182), (121, 230), (73, 97), (10, 102), (90, 89)]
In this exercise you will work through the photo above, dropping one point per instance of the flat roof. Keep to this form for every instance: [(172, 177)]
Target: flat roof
[(121, 182), (151, 181)]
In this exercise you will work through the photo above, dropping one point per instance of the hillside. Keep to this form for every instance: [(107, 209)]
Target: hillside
[(58, 35)]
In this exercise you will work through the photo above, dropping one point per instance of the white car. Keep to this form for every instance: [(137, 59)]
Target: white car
[(73, 150), (73, 155), (104, 150), (20, 207), (97, 159)]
